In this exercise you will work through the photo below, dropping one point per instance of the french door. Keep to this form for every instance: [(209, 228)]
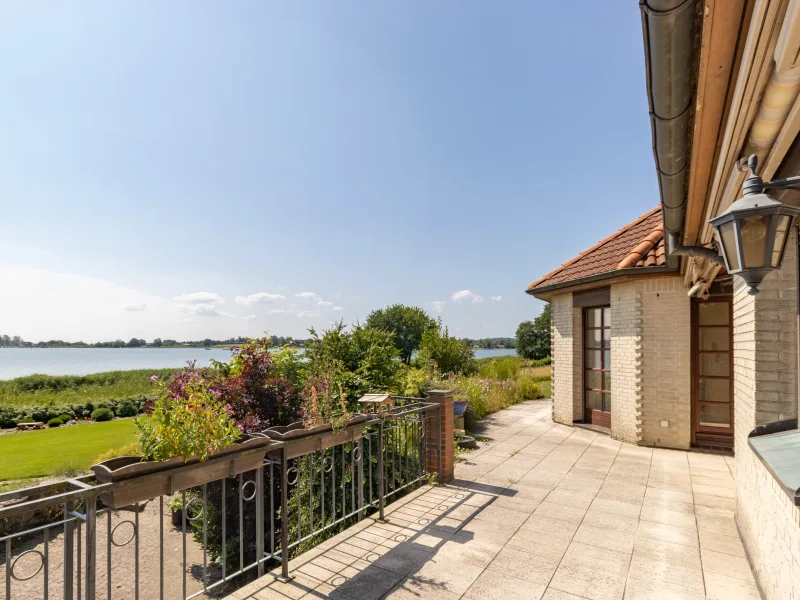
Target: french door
[(597, 366), (712, 367)]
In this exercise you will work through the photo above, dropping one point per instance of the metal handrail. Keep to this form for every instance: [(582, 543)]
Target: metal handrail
[(305, 497)]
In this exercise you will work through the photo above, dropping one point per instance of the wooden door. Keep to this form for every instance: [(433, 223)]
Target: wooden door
[(712, 367), (597, 365)]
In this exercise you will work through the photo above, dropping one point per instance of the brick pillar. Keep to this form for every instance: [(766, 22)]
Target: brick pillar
[(444, 439)]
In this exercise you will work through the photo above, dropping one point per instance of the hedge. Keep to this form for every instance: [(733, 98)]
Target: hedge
[(129, 406)]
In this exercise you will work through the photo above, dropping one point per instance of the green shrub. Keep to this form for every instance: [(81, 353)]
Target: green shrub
[(542, 362), (26, 420), (102, 414), (502, 367), (7, 423), (55, 423), (528, 389), (65, 417), (445, 353), (126, 409)]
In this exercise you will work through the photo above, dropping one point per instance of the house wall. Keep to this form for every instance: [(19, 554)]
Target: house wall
[(666, 363), (626, 361), (765, 390), (566, 341)]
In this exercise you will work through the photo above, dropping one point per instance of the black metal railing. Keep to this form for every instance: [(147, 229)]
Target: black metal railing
[(60, 541)]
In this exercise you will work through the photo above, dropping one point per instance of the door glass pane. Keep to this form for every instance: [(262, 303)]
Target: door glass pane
[(607, 385), (594, 338), (607, 402), (728, 238), (780, 237), (593, 316), (715, 338), (715, 390), (716, 365), (714, 313), (607, 337), (594, 379), (754, 239), (607, 317), (606, 359), (594, 400), (715, 415), (593, 359)]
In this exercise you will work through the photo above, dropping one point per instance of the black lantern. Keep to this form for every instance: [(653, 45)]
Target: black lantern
[(753, 231)]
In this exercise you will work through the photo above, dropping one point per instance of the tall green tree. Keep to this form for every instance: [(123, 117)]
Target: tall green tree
[(533, 337), (407, 323), (445, 353)]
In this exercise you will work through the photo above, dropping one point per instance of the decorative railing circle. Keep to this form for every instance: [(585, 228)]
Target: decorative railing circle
[(32, 575), (329, 466), (130, 538), (289, 479), (187, 512), (247, 497), (357, 454)]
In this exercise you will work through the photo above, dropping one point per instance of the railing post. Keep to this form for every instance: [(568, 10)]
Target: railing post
[(381, 486), (440, 454), (360, 478), (91, 546), (259, 520), (284, 576), (69, 548)]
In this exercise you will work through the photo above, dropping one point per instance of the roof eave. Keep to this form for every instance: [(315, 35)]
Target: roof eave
[(544, 292)]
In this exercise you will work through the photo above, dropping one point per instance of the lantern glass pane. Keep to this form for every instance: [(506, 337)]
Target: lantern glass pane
[(727, 236), (780, 238), (755, 235)]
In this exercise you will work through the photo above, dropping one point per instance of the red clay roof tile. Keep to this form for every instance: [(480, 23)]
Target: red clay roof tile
[(638, 244)]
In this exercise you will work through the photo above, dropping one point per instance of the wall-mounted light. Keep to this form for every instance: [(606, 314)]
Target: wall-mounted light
[(753, 231)]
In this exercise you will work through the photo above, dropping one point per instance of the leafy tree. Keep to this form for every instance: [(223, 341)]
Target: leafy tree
[(134, 343), (170, 343), (157, 343), (444, 352), (407, 323), (362, 359), (208, 343), (533, 338)]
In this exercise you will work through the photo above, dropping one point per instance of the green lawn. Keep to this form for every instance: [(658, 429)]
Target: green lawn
[(60, 451)]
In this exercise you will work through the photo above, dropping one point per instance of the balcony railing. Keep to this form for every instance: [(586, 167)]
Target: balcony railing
[(60, 541)]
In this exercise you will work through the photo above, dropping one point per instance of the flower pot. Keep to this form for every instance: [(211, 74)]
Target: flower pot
[(459, 408), (139, 480), (299, 441)]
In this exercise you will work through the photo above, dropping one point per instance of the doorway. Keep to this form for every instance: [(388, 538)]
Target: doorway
[(712, 371), (597, 366)]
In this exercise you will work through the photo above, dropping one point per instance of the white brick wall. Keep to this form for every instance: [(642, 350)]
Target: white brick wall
[(765, 371), (564, 336), (666, 363), (626, 361)]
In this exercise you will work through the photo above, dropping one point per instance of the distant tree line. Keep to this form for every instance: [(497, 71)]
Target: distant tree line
[(16, 341), (489, 343)]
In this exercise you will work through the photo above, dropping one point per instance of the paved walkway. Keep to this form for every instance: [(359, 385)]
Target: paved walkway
[(544, 511)]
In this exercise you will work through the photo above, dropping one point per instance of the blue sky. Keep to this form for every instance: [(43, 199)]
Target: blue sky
[(193, 169)]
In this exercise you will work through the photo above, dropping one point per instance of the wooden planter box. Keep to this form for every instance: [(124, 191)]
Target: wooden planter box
[(299, 441), (142, 480)]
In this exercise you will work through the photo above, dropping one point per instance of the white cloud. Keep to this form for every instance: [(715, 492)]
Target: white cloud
[(337, 308), (135, 307), (325, 304), (201, 310), (307, 296), (249, 318), (311, 314), (200, 298), (466, 296), (497, 298), (277, 311), (438, 305), (259, 298)]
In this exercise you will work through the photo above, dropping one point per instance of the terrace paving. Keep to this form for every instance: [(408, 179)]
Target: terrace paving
[(546, 512)]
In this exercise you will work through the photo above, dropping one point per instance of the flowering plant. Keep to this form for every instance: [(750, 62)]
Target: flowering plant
[(321, 404), (188, 419)]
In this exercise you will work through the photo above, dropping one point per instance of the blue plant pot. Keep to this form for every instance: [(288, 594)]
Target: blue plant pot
[(459, 408)]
